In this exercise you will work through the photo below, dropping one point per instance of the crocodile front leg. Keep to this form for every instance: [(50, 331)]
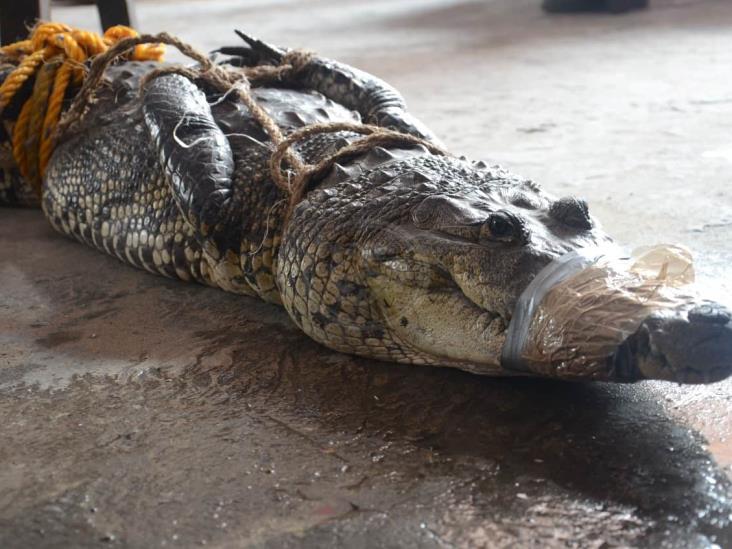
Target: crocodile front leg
[(196, 157), (124, 185)]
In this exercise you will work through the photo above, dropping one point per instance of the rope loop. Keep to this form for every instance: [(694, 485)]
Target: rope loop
[(375, 136)]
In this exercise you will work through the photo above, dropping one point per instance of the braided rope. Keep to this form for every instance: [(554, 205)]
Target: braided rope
[(33, 138), (19, 138), (34, 134), (18, 77)]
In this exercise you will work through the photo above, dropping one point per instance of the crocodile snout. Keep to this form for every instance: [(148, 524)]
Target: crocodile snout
[(710, 313), (689, 347)]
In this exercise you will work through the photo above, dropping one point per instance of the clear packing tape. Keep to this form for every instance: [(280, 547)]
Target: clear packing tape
[(576, 313)]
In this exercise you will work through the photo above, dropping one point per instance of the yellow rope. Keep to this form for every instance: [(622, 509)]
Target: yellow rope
[(34, 135), (61, 82), (67, 50), (20, 134)]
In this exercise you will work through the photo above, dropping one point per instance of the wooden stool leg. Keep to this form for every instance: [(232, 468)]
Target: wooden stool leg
[(116, 12), (17, 15)]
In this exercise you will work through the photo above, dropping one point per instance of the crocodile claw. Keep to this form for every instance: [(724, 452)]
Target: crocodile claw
[(253, 54), (264, 50)]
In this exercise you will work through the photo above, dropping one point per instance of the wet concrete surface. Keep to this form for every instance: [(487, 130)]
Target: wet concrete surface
[(142, 412)]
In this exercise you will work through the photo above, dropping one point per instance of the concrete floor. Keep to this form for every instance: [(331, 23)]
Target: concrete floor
[(141, 412)]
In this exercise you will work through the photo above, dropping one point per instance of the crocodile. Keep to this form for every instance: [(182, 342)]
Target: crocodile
[(398, 254)]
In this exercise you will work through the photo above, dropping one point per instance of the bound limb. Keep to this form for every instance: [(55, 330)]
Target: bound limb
[(375, 100)]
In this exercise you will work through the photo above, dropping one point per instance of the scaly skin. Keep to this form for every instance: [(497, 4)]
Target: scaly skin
[(399, 255)]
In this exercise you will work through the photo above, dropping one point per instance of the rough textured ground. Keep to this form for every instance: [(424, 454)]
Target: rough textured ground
[(141, 412)]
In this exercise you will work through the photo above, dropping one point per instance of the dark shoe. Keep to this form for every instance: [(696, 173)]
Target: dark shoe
[(612, 6)]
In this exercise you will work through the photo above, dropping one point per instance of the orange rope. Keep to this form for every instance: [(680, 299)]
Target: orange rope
[(20, 135), (34, 130), (53, 112), (39, 99)]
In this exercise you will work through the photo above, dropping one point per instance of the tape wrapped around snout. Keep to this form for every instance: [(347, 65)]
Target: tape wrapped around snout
[(550, 276), (579, 309)]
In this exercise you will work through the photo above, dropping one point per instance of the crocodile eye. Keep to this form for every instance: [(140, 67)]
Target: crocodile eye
[(499, 226), (504, 227)]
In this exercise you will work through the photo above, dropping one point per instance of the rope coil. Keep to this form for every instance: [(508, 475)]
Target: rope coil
[(55, 55), (288, 171)]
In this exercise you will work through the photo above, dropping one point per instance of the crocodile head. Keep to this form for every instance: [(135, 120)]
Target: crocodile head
[(421, 259)]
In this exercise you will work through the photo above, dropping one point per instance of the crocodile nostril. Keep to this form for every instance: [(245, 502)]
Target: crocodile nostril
[(572, 212), (710, 313)]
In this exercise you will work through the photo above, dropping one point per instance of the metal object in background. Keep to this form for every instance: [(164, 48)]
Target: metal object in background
[(17, 16), (116, 12)]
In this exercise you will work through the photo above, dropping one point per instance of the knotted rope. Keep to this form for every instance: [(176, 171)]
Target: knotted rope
[(288, 171), (55, 55)]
